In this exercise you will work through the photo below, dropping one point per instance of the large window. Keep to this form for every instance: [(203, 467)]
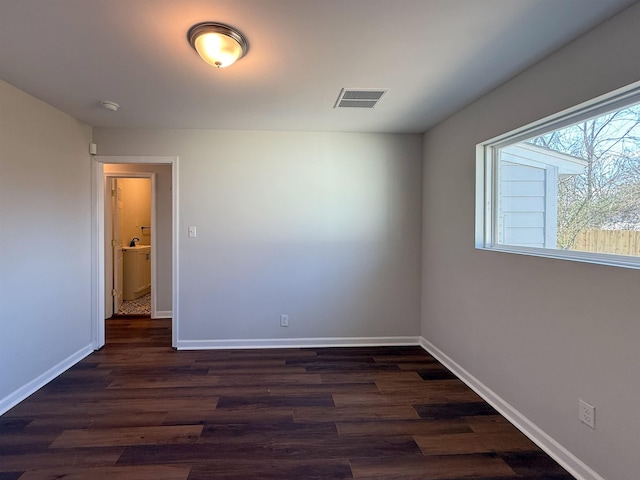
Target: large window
[(567, 186)]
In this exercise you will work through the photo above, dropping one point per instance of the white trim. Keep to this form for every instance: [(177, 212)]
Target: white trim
[(97, 254), (551, 174), (163, 314), (555, 450), (97, 234), (109, 257), (154, 245), (297, 343), (483, 201), (175, 325), (37, 383)]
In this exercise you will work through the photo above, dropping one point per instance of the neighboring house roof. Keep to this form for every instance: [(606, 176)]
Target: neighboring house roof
[(534, 156)]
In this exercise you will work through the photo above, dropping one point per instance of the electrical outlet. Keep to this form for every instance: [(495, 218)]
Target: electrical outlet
[(587, 414), (284, 320)]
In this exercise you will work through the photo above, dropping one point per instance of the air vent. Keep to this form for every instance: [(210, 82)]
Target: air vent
[(359, 97)]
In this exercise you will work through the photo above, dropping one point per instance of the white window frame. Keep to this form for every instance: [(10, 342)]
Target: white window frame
[(486, 178)]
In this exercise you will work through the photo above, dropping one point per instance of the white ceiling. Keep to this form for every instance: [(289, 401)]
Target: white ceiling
[(434, 56)]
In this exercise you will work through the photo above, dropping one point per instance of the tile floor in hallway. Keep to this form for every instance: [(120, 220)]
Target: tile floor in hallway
[(139, 306)]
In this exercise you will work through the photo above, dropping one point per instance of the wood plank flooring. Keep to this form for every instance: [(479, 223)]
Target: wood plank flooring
[(139, 410)]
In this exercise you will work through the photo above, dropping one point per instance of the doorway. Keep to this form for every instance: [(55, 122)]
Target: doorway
[(161, 172), (130, 216)]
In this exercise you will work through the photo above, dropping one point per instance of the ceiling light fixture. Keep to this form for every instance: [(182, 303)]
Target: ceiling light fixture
[(218, 44)]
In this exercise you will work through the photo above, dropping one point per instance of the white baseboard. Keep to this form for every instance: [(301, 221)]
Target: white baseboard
[(23, 392), (564, 457), (297, 343), (163, 314)]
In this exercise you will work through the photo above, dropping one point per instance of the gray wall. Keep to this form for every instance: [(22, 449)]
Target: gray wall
[(163, 227), (324, 227), (541, 333), (45, 238)]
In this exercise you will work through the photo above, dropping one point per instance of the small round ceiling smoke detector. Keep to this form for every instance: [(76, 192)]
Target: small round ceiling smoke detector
[(113, 106)]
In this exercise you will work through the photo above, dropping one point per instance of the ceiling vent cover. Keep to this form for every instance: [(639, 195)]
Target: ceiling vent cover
[(359, 97)]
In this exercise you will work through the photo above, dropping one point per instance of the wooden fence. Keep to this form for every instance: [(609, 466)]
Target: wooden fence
[(620, 242)]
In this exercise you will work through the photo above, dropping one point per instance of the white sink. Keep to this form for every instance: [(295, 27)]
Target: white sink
[(137, 247)]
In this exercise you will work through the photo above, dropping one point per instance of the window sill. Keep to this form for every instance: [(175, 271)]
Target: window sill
[(607, 259)]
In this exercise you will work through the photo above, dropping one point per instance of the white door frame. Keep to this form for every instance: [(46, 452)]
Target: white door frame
[(98, 246), (107, 208)]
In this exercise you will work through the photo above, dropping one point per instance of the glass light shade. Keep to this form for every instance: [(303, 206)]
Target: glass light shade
[(219, 45), (218, 49)]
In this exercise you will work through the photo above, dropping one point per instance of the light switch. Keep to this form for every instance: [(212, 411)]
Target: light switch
[(192, 232)]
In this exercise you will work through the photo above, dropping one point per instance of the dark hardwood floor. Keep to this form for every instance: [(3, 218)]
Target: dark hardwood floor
[(139, 410)]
